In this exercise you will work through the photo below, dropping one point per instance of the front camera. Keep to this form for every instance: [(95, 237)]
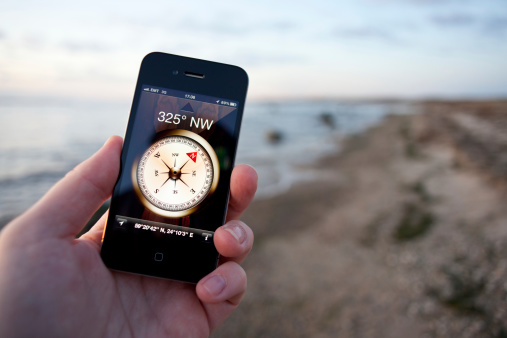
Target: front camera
[(175, 72)]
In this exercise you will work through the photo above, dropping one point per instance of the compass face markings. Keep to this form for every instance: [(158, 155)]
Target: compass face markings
[(191, 174)]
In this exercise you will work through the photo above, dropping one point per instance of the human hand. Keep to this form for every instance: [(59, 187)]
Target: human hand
[(52, 284)]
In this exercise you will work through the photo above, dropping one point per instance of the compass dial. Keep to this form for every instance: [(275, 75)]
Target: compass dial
[(176, 174)]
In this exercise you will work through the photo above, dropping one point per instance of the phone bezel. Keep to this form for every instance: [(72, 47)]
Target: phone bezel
[(158, 69)]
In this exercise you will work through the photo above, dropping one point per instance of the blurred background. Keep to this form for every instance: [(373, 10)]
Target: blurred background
[(382, 122)]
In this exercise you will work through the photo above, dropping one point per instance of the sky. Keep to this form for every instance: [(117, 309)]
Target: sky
[(290, 49)]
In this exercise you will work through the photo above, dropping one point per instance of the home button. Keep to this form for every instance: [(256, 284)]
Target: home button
[(159, 256)]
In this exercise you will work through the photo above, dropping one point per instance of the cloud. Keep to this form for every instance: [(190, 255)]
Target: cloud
[(491, 26), (83, 46), (496, 25), (420, 2), (367, 33), (238, 28), (454, 19), (219, 27), (216, 24), (255, 58), (281, 26), (432, 2)]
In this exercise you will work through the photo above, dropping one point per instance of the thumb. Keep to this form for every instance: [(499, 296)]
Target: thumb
[(70, 203)]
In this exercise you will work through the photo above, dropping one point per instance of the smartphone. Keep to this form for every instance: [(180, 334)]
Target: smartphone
[(178, 154)]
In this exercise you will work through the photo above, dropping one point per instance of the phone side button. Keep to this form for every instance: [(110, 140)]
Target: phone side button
[(159, 257)]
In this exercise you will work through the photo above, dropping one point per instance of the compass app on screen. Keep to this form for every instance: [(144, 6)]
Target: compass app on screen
[(175, 178), (176, 164)]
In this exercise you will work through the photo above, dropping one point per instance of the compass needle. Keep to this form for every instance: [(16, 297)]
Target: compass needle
[(165, 182), (200, 177), (168, 167), (183, 182), (184, 164)]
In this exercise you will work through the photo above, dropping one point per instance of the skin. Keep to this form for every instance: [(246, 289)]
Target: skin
[(54, 285)]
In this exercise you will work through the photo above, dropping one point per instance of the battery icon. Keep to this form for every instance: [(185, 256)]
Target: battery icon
[(233, 104)]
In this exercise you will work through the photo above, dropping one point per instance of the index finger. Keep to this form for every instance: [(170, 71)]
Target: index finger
[(65, 208), (243, 188)]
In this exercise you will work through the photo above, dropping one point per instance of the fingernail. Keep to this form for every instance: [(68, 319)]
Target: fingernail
[(215, 284), (237, 231)]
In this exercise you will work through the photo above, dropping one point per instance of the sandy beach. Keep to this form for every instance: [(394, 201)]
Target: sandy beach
[(403, 233)]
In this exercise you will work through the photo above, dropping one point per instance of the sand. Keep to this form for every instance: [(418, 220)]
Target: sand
[(403, 233)]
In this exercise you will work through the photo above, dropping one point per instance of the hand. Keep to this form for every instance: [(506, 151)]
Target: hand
[(54, 285)]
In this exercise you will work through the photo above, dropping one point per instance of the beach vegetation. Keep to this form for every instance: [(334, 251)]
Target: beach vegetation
[(411, 148), (415, 222), (419, 188), (464, 292)]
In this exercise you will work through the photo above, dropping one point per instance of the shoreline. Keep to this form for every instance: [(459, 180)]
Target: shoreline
[(401, 235)]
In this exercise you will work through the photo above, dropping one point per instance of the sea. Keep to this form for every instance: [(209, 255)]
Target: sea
[(42, 139)]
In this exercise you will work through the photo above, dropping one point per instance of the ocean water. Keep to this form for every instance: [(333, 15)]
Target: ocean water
[(42, 140)]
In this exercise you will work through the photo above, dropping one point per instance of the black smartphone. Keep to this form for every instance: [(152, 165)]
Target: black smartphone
[(176, 163)]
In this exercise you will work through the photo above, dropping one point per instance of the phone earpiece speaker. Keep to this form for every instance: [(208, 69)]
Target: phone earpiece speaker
[(195, 75)]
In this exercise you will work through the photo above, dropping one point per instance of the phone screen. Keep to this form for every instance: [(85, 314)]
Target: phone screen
[(173, 188)]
